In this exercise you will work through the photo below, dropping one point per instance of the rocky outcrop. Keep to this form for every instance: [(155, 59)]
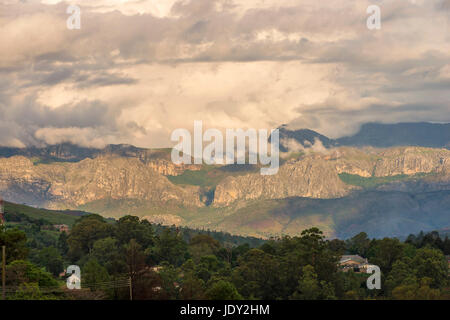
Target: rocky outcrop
[(391, 162), (168, 168), (70, 185), (317, 175), (412, 160), (311, 177)]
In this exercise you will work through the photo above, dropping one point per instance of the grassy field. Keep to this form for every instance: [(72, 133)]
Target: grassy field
[(54, 217), (210, 176), (373, 182)]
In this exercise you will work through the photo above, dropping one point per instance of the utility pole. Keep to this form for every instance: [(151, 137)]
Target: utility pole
[(131, 289), (3, 272), (2, 224)]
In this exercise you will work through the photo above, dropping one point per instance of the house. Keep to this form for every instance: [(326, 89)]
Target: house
[(353, 262), (365, 266), (61, 227), (156, 269)]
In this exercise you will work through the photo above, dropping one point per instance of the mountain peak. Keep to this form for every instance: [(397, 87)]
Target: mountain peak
[(379, 135)]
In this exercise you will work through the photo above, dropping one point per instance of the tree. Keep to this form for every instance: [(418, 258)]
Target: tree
[(308, 285), (135, 258), (63, 245), (170, 277), (256, 275), (310, 288), (238, 251), (415, 290), (207, 266), (431, 263), (432, 239), (108, 253), (446, 246), (94, 276), (130, 227), (359, 244), (316, 252), (84, 233), (349, 285), (402, 271), (203, 245), (385, 252), (29, 291), (15, 242), (51, 259), (148, 286), (20, 272), (337, 246), (223, 290), (192, 288), (170, 247), (308, 249)]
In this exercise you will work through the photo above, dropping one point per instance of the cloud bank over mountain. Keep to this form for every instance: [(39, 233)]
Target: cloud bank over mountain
[(136, 70)]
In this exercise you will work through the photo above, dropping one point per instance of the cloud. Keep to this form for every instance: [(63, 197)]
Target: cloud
[(136, 70), (293, 145), (85, 137)]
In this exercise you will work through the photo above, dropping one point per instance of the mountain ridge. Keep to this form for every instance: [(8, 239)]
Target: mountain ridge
[(372, 134), (123, 179), (377, 135)]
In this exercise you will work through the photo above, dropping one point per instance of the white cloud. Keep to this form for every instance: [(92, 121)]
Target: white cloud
[(143, 68)]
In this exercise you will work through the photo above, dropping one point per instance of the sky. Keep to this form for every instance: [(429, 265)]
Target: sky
[(138, 69)]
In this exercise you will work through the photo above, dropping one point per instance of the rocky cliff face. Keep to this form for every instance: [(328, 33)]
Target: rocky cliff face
[(310, 177), (317, 175), (390, 162), (168, 168), (73, 184), (143, 177), (412, 160)]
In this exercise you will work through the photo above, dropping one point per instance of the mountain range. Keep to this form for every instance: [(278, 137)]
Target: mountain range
[(386, 180), (378, 135)]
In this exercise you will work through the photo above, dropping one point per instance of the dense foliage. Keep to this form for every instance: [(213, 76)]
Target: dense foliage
[(176, 263)]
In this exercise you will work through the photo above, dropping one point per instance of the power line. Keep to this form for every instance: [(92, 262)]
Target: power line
[(105, 285)]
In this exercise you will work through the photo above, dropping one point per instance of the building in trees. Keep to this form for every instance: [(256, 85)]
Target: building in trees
[(352, 262)]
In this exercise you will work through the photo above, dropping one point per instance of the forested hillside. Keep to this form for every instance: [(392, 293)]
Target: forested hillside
[(176, 263)]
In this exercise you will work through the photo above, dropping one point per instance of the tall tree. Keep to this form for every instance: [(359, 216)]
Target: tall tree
[(51, 259), (431, 263), (109, 254), (62, 244), (84, 233), (203, 245), (15, 242), (223, 290), (94, 276), (257, 275), (385, 252), (170, 247), (130, 227), (359, 244), (135, 258)]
